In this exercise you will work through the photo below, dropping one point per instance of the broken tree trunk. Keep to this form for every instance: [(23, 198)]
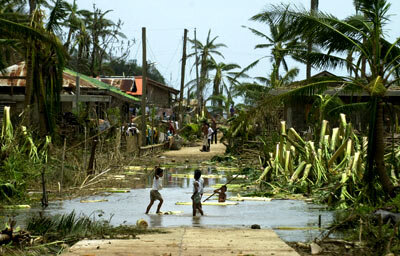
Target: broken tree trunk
[(90, 169), (45, 200)]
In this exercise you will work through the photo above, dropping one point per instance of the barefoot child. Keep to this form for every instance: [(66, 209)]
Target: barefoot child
[(154, 194), (221, 194), (197, 191)]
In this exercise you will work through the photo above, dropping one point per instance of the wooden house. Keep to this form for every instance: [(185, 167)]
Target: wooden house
[(77, 89), (296, 113)]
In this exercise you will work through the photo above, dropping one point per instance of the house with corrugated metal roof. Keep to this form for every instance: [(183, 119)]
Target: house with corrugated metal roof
[(158, 94), (78, 89)]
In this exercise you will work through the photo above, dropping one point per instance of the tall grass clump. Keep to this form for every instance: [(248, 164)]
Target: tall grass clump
[(21, 159)]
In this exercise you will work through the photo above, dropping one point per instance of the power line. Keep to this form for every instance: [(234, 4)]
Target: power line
[(173, 56), (160, 29), (151, 51), (137, 51)]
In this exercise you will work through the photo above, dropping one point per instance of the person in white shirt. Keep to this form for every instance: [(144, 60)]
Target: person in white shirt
[(154, 194), (197, 193), (210, 133)]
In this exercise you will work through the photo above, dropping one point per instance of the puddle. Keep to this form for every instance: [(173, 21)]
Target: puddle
[(127, 208)]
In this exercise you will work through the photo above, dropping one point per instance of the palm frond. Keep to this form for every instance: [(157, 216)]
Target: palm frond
[(57, 14), (348, 108)]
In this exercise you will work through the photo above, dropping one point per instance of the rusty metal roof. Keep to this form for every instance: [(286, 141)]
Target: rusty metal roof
[(126, 84), (16, 77)]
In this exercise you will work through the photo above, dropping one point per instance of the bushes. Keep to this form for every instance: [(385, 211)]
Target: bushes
[(21, 158), (191, 131)]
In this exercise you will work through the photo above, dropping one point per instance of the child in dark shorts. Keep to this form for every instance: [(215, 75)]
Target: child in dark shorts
[(154, 192)]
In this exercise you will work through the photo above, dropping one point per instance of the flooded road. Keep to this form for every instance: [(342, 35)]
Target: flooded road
[(127, 208)]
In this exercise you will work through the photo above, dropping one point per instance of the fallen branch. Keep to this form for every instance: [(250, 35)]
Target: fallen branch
[(45, 245), (340, 241), (95, 177), (90, 184), (351, 217), (83, 183)]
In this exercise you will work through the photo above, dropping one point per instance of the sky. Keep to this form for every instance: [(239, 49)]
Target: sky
[(165, 21)]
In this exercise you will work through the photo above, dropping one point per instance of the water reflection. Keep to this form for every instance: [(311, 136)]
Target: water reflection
[(155, 220), (196, 221), (173, 181)]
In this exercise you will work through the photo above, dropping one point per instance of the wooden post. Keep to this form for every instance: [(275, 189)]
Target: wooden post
[(180, 115), (144, 85), (197, 75), (77, 92), (85, 150), (90, 169), (62, 164)]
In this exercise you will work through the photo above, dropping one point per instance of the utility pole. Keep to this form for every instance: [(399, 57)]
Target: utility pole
[(180, 115), (197, 75), (144, 86)]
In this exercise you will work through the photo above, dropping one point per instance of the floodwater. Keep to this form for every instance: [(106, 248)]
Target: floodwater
[(127, 208)]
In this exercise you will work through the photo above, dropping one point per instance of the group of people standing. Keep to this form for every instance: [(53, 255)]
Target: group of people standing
[(198, 190), (209, 135)]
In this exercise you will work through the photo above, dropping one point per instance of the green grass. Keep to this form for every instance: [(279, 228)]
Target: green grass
[(55, 232)]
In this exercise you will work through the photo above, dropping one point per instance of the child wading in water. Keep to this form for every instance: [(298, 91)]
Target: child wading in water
[(197, 192), (221, 194), (154, 194)]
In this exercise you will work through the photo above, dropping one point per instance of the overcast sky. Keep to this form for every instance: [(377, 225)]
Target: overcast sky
[(165, 21)]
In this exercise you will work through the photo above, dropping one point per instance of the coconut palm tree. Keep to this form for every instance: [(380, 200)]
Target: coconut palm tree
[(222, 71), (11, 11), (281, 41), (47, 57), (206, 52), (74, 22), (256, 92), (364, 35)]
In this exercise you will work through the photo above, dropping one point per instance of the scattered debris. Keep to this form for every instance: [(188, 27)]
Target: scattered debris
[(114, 190), (94, 201), (209, 203), (387, 216), (12, 207), (170, 213), (141, 223), (315, 249), (249, 198), (134, 168)]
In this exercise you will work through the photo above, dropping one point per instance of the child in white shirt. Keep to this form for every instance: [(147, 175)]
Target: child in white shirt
[(154, 194), (197, 193)]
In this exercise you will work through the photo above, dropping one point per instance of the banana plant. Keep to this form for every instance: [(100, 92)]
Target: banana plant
[(338, 157)]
